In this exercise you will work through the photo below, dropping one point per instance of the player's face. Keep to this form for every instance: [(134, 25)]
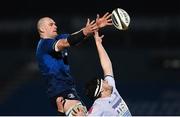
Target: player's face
[(51, 28)]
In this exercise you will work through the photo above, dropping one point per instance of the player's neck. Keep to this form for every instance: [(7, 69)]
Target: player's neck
[(46, 37)]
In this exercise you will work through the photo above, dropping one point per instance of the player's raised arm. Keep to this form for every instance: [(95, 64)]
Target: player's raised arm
[(103, 56), (78, 36)]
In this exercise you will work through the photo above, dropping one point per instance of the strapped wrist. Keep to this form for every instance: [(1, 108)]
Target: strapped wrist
[(76, 37)]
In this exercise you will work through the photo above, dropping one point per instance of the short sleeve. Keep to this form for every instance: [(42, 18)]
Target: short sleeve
[(49, 45), (110, 80), (58, 38)]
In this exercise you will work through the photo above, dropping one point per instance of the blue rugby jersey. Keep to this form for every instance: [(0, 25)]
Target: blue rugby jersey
[(53, 66)]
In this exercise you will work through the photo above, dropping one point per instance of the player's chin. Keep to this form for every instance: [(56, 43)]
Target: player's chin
[(55, 34)]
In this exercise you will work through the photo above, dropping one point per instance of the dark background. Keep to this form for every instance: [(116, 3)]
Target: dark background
[(146, 57)]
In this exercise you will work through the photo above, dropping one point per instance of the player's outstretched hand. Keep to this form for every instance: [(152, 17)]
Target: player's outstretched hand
[(104, 20), (90, 27)]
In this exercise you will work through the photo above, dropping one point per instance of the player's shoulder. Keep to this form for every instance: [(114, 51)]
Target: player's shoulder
[(47, 42), (62, 36)]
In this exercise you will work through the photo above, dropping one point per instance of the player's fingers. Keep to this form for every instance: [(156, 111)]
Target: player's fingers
[(95, 27), (109, 20), (109, 24), (88, 20), (79, 109), (106, 15), (92, 22), (73, 114), (74, 111), (97, 17), (102, 36)]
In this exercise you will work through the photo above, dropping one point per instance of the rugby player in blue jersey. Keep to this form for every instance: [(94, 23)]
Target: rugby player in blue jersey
[(52, 53)]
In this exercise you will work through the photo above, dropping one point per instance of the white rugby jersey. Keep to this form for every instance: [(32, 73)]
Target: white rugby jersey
[(110, 106)]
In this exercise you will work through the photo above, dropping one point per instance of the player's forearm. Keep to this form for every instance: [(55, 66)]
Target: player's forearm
[(61, 44), (104, 59), (71, 40)]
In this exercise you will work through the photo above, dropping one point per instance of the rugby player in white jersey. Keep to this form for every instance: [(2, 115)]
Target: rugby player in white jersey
[(108, 101)]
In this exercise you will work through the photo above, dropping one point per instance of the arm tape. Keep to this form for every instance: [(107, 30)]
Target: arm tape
[(75, 38)]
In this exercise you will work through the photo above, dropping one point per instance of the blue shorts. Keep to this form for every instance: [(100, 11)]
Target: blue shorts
[(69, 94)]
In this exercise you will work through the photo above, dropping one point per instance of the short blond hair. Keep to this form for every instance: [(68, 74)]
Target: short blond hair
[(41, 22)]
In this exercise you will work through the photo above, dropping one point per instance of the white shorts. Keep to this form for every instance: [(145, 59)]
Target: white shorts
[(78, 105)]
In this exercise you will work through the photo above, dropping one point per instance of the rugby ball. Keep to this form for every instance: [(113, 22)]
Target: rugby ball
[(120, 19)]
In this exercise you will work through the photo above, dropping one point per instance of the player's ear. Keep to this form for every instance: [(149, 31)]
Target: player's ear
[(41, 29)]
